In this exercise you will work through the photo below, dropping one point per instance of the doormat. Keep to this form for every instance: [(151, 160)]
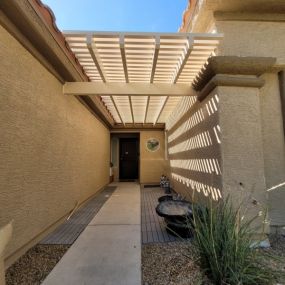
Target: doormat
[(151, 186)]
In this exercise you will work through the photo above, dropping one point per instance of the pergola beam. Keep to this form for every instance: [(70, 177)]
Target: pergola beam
[(175, 35), (131, 107), (115, 105), (161, 110), (155, 57), (123, 55), (90, 48), (137, 126), (146, 109), (128, 89), (188, 52)]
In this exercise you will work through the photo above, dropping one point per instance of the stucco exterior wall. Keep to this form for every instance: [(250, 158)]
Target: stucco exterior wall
[(264, 39), (194, 149), (242, 152), (242, 148), (273, 147), (53, 151), (243, 38), (152, 164), (252, 29)]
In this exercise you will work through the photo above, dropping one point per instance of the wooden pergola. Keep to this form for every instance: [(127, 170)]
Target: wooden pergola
[(140, 77)]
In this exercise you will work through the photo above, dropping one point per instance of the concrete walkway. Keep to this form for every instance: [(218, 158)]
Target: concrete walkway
[(108, 252)]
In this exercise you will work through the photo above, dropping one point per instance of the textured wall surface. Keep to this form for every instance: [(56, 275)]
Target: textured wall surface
[(273, 147), (194, 148), (53, 152), (242, 151), (261, 135), (242, 148), (261, 38), (152, 164), (264, 39)]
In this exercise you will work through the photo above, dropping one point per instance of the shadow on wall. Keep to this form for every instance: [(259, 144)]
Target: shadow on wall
[(194, 148)]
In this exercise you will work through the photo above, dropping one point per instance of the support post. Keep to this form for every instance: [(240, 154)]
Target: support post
[(238, 84)]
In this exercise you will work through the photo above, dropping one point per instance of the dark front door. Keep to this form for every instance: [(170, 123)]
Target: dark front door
[(129, 158)]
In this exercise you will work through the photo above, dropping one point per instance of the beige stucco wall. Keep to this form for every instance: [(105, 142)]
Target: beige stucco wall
[(194, 150), (273, 147), (259, 35), (242, 147), (249, 30), (264, 39), (243, 38), (231, 118), (152, 164), (53, 151)]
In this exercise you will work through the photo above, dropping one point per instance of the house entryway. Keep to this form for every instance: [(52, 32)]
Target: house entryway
[(129, 150), (125, 156)]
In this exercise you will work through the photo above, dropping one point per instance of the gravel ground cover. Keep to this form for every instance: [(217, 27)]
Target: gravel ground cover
[(175, 263), (169, 264), (33, 267), (278, 250)]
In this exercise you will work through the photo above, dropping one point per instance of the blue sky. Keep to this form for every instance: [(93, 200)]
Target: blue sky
[(118, 15)]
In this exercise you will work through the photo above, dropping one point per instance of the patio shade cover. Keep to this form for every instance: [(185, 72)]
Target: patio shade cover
[(147, 58)]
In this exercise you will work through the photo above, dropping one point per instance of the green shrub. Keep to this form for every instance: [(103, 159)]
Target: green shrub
[(224, 243)]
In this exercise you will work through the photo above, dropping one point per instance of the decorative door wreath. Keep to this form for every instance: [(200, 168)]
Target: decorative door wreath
[(152, 144)]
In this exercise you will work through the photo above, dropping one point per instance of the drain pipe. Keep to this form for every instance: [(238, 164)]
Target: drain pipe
[(5, 236)]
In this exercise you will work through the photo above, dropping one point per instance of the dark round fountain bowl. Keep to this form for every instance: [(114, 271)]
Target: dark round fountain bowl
[(178, 217), (173, 209), (165, 198), (180, 231)]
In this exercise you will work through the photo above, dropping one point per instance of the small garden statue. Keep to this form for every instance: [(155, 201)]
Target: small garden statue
[(162, 180), (167, 189)]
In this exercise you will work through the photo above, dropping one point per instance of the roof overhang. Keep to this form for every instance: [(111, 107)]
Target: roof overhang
[(140, 77)]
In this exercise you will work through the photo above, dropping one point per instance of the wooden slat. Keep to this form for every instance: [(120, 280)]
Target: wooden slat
[(90, 48), (113, 101), (190, 43), (131, 106), (155, 57), (161, 110), (146, 109), (123, 55)]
